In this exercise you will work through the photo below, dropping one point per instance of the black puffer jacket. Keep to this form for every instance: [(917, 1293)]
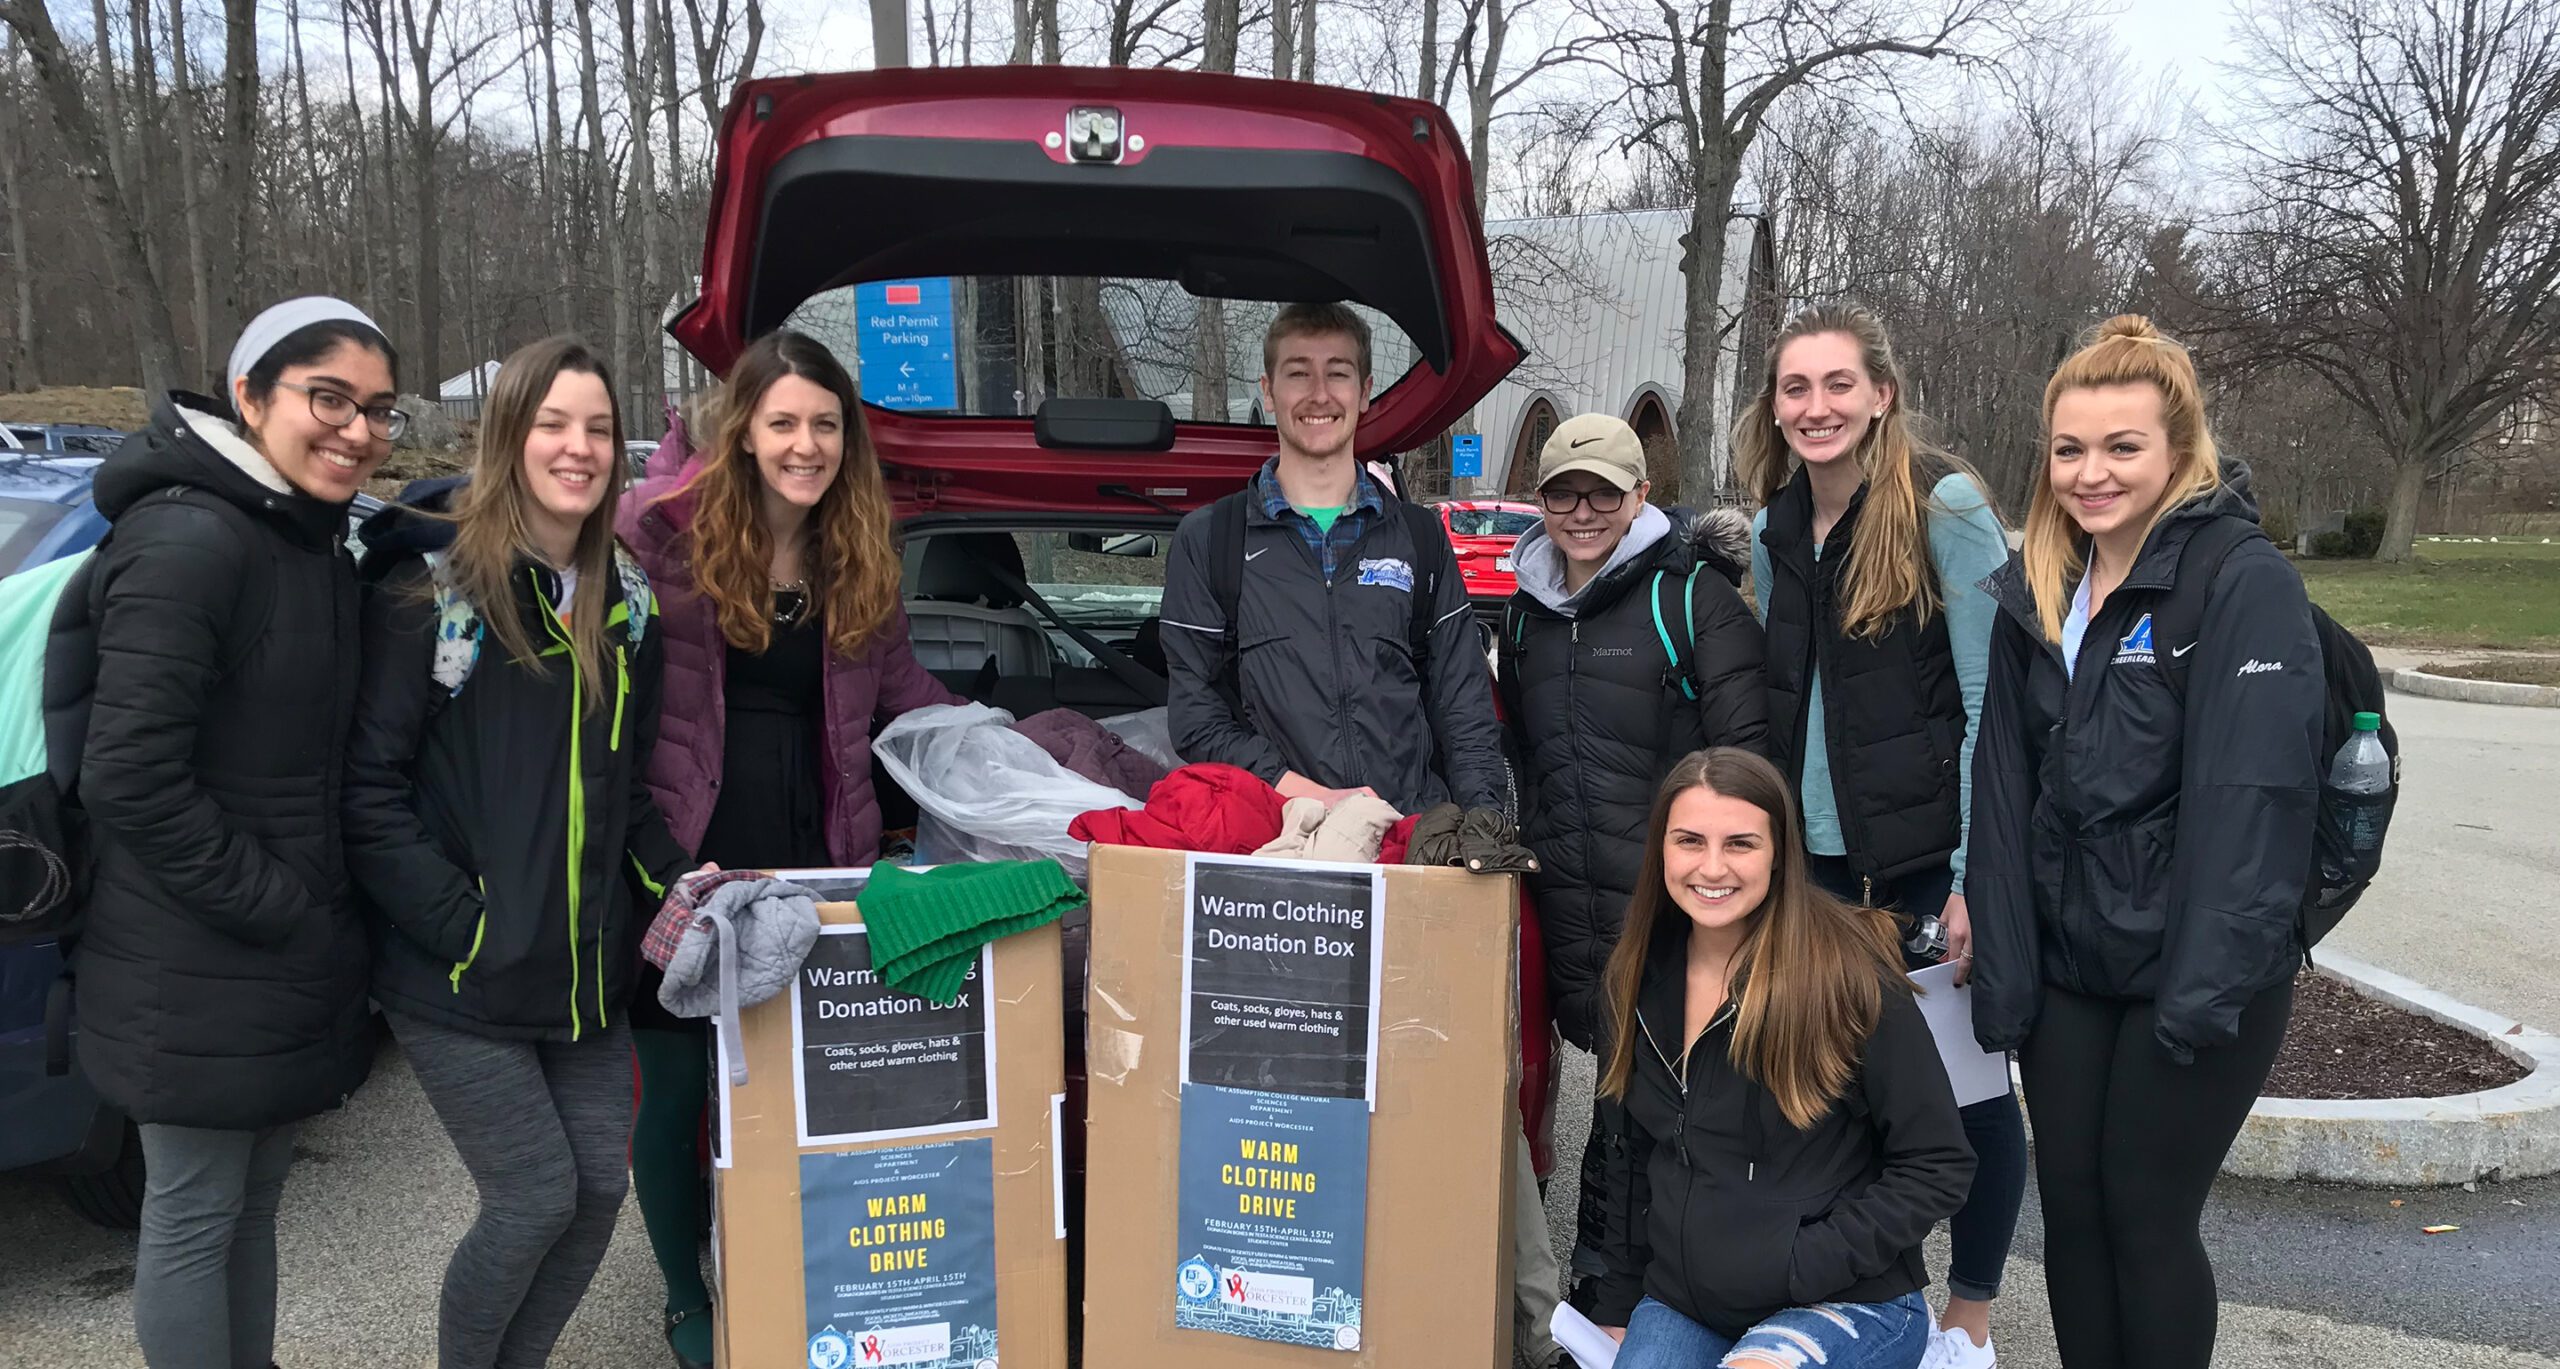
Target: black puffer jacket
[(1596, 709), (221, 966), (1724, 1212), (2130, 844), (463, 809)]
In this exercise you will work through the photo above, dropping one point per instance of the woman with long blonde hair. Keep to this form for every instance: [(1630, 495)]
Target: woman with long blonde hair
[(787, 648), (2143, 839), (493, 811), (1867, 558), (1790, 1134)]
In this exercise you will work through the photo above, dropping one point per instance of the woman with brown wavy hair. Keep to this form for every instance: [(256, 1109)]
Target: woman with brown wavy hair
[(777, 577), (1790, 1136)]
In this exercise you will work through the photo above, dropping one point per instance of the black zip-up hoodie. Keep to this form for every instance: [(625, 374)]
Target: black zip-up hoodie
[(1721, 1210), (492, 830), (2128, 844)]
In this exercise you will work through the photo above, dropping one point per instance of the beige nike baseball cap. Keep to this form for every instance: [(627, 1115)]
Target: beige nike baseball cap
[(1598, 443)]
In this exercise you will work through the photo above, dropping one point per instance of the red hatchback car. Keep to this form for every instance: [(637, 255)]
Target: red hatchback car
[(1052, 284), (1482, 532)]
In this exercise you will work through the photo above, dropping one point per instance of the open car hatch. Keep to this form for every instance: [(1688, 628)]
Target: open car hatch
[(1135, 194)]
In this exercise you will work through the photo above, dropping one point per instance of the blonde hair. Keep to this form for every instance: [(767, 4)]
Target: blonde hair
[(492, 533), (1889, 569), (2125, 350), (1811, 971), (853, 553)]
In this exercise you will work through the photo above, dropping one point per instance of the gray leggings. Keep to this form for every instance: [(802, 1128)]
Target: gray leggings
[(204, 1279), (543, 1127)]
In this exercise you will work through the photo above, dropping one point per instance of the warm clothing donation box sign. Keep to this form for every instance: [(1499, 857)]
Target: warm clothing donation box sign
[(890, 1192), (1324, 1053)]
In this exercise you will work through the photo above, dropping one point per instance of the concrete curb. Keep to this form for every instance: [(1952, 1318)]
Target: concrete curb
[(2504, 1133), (2421, 683)]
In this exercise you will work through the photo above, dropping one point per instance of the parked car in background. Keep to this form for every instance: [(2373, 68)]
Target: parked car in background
[(85, 439), (1482, 533), (51, 1123)]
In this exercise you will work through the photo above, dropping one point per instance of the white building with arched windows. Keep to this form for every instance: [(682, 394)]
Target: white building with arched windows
[(1598, 300)]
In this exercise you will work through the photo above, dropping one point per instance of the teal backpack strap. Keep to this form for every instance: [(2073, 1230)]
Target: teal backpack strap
[(1676, 659), (458, 627)]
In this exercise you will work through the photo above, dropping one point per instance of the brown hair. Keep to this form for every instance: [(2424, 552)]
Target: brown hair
[(1311, 320), (2125, 350), (1809, 977), (492, 534), (853, 556), (1889, 568)]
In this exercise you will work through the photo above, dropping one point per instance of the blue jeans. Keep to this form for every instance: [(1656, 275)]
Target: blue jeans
[(1834, 1335)]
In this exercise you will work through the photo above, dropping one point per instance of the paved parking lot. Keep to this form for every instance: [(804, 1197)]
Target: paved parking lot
[(2311, 1276)]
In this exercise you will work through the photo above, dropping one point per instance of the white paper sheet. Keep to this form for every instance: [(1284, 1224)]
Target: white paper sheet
[(1591, 1347), (1977, 1074)]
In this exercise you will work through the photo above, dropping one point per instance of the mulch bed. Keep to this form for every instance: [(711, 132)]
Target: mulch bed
[(2531, 670), (2342, 1044)]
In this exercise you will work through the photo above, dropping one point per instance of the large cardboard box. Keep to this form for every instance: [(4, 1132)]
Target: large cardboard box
[(761, 1249), (1437, 1258)]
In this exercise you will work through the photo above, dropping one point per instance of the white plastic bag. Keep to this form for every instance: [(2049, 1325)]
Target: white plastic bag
[(985, 791), (1149, 733)]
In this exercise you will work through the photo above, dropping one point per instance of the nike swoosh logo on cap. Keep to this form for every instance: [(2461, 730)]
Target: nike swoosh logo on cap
[(1579, 443)]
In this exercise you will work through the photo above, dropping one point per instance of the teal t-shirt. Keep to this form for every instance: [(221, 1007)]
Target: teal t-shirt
[(1966, 544)]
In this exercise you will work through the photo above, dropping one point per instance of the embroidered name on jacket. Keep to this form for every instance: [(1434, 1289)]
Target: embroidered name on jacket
[(2135, 645), (1387, 571), (2257, 667)]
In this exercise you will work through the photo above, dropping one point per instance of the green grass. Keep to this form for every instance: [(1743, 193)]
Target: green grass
[(2456, 594)]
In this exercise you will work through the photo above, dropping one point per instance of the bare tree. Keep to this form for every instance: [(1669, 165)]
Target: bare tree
[(22, 371), (2400, 236), (133, 276), (1699, 83)]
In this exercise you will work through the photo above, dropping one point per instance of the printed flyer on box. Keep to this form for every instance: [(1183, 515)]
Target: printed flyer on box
[(1280, 988), (900, 1256), (1272, 1216), (876, 1064)]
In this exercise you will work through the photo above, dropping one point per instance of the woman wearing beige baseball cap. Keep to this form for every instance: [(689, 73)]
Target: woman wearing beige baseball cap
[(1626, 648)]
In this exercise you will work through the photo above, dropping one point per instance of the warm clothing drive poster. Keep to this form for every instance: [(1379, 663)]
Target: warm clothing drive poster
[(1281, 984), (878, 1064), (1272, 1216), (900, 1256), (1280, 994)]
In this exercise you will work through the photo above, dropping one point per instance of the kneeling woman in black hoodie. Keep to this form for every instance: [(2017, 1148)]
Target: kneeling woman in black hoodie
[(494, 804), (1791, 1135)]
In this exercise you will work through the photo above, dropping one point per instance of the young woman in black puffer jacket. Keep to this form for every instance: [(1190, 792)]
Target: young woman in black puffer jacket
[(221, 964), (1626, 648)]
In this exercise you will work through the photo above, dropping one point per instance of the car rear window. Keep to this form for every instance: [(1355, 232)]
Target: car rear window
[(23, 523), (1490, 522), (962, 345)]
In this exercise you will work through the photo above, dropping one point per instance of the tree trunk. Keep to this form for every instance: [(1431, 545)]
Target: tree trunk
[(1218, 35), (111, 100), (1046, 11), (560, 305), (1702, 328), (1305, 39), (425, 222), (311, 183), (599, 174), (1022, 33), (190, 189), (2400, 525), (1283, 55), (1428, 82), (23, 373), (130, 274), (641, 201), (239, 159)]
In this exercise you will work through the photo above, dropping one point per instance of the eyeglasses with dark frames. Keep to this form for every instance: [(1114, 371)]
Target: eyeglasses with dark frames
[(338, 410), (1608, 499)]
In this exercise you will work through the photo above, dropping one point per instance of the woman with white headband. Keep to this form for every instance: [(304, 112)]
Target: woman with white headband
[(221, 967)]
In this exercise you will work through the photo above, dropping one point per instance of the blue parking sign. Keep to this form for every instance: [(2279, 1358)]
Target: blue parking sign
[(906, 344), (1466, 456)]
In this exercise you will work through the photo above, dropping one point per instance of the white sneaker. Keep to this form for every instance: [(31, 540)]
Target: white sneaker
[(1953, 1349)]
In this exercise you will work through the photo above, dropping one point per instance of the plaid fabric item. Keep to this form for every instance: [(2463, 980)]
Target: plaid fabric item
[(1367, 502), (658, 945)]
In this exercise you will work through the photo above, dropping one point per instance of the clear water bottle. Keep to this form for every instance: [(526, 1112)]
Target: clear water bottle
[(2360, 782)]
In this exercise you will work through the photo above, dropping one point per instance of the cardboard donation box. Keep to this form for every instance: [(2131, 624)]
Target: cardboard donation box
[(1300, 1115), (888, 1190)]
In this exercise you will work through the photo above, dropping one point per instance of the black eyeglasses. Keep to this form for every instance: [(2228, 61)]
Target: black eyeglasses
[(1607, 499), (338, 411)]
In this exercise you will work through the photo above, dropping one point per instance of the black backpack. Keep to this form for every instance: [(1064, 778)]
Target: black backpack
[(2338, 875), (44, 848), (1226, 575)]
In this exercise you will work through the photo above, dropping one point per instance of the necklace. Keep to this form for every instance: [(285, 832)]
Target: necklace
[(790, 603)]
